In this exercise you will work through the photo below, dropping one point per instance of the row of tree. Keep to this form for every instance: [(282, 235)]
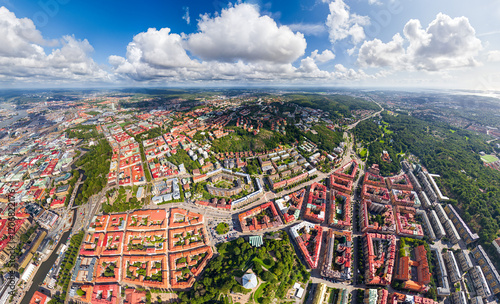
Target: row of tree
[(67, 265)]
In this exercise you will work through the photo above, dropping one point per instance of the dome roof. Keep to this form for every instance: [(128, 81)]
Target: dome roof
[(249, 281)]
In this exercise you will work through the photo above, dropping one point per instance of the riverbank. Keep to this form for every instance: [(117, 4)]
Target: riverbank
[(45, 267)]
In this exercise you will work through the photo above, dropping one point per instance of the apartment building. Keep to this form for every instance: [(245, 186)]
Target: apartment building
[(463, 229), (489, 270)]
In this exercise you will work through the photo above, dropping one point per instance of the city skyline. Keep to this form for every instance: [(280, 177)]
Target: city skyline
[(365, 43)]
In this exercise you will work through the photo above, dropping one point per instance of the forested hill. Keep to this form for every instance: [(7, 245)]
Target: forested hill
[(337, 105), (451, 153)]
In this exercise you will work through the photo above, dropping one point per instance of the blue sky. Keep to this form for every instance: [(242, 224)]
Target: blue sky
[(371, 43)]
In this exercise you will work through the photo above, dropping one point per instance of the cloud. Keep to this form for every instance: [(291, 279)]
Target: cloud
[(309, 70), (159, 48), (23, 58), (494, 56), (186, 16), (375, 53), (446, 43), (222, 50), (313, 29), (325, 56), (342, 24), (343, 73), (19, 37), (240, 32), (159, 56)]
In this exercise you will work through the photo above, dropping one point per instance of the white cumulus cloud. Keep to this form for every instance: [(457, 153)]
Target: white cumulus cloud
[(238, 45), (222, 50), (445, 43), (159, 48), (23, 58), (378, 54), (240, 32), (343, 24), (325, 56), (494, 56)]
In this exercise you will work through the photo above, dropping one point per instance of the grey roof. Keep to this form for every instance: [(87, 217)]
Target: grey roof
[(255, 240), (249, 281)]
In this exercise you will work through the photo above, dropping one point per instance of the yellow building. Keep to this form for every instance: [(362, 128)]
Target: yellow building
[(27, 256), (319, 294)]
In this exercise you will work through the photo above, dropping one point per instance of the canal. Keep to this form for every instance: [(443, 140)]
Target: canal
[(80, 187), (46, 266)]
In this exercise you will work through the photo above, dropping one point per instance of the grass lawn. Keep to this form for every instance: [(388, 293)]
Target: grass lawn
[(222, 228), (261, 262), (384, 128), (224, 184), (489, 158), (260, 290), (363, 152)]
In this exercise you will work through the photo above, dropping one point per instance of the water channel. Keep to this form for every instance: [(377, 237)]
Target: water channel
[(47, 265)]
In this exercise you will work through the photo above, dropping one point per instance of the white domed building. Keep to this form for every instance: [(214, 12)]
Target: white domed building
[(249, 281)]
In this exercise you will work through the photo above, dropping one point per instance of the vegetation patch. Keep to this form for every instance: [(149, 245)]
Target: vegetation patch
[(222, 228), (181, 157), (68, 263), (95, 163), (260, 291), (338, 106), (236, 257), (325, 138), (120, 203)]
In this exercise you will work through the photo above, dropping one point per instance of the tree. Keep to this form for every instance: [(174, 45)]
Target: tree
[(432, 294), (265, 301), (267, 276), (240, 241), (278, 269)]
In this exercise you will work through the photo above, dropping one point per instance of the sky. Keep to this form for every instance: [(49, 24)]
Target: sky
[(447, 44)]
